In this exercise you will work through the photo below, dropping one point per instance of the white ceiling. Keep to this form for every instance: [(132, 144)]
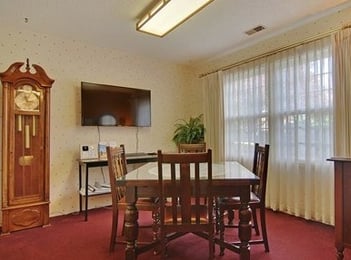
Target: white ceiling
[(217, 29)]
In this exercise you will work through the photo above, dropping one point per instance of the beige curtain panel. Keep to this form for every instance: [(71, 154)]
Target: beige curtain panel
[(342, 92)]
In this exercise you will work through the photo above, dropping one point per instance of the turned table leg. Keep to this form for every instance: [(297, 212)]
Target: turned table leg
[(131, 224), (245, 227), (340, 252)]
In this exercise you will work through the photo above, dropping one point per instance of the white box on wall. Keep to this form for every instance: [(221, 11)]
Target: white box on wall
[(88, 151)]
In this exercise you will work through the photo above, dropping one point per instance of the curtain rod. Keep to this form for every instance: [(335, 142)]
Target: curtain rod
[(270, 53)]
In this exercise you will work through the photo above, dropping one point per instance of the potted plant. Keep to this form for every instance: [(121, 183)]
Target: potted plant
[(189, 132)]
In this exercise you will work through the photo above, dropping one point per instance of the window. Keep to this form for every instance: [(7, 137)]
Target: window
[(285, 100), (246, 110)]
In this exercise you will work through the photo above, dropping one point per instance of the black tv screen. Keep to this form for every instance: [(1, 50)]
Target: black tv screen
[(106, 105)]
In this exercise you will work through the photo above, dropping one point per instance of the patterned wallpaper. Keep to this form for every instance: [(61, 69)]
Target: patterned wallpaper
[(306, 30), (174, 95), (69, 62)]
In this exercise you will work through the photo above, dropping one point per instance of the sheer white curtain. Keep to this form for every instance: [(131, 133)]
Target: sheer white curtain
[(246, 103), (286, 100), (301, 180)]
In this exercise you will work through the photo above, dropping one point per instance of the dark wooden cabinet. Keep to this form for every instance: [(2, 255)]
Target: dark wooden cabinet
[(342, 185), (25, 147)]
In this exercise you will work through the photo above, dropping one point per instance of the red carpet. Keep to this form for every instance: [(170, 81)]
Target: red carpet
[(70, 237)]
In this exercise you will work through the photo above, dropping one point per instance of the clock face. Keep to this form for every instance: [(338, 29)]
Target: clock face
[(27, 99)]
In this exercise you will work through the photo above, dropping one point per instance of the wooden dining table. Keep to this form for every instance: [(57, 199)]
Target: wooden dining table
[(228, 179)]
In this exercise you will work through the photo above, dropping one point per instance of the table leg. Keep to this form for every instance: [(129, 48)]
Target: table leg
[(131, 224), (339, 250), (245, 227), (80, 187), (86, 192)]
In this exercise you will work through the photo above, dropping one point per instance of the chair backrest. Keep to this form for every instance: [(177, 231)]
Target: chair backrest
[(260, 168), (117, 166), (179, 177), (192, 148)]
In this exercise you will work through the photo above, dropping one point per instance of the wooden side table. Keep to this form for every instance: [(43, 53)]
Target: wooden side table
[(342, 184), (132, 158)]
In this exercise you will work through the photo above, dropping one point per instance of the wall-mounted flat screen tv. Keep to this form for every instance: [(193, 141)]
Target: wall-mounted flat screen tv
[(106, 105)]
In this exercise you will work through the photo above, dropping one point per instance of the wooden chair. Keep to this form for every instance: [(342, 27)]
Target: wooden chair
[(257, 200), (118, 167), (192, 148), (183, 181)]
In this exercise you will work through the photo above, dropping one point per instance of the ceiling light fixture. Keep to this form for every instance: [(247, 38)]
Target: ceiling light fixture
[(168, 14)]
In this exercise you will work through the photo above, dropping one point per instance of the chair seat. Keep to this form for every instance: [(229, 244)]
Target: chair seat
[(147, 200), (201, 210), (236, 200), (140, 203)]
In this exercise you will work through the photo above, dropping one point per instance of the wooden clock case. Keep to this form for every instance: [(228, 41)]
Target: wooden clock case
[(25, 147)]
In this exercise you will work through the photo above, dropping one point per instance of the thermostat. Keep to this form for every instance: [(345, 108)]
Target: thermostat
[(88, 151)]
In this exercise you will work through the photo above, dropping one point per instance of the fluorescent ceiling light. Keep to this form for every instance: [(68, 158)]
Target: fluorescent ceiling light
[(168, 14)]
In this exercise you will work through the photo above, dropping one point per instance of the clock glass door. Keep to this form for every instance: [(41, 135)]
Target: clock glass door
[(28, 149)]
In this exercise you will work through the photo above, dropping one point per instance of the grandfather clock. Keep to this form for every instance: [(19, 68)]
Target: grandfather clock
[(25, 147)]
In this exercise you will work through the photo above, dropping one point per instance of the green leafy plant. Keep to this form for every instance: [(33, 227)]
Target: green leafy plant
[(189, 132)]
